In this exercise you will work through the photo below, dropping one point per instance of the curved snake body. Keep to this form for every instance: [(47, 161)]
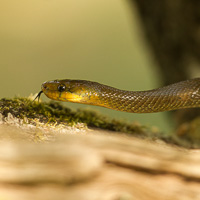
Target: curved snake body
[(185, 94)]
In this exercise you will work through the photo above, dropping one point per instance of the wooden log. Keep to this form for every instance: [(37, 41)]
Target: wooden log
[(96, 166)]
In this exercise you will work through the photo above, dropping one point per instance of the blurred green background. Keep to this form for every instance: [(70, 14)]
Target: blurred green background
[(94, 40)]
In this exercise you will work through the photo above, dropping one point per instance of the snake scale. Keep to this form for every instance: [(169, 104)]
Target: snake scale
[(184, 94)]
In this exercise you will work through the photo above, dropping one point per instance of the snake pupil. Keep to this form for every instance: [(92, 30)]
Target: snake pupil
[(61, 88)]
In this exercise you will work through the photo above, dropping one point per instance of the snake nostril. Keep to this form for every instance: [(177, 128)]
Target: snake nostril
[(44, 87)]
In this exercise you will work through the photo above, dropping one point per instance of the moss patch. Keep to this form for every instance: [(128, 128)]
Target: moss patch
[(54, 113)]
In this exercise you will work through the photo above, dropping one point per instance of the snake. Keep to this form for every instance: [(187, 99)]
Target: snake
[(180, 95)]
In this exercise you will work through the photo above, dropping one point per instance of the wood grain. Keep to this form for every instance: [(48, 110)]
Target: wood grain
[(97, 166)]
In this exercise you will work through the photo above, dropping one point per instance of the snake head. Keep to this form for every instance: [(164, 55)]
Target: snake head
[(68, 90)]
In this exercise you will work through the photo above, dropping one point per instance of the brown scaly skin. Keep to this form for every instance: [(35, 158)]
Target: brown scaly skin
[(185, 94)]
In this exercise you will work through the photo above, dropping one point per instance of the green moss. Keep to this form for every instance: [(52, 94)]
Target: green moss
[(54, 113)]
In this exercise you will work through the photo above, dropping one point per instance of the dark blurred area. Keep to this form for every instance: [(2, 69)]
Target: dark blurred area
[(172, 29)]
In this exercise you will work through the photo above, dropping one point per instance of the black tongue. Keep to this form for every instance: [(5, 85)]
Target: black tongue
[(38, 95)]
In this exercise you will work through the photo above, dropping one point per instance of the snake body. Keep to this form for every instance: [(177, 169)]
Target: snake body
[(185, 94)]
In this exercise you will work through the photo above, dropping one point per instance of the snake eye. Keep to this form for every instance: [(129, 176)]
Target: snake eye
[(61, 88)]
